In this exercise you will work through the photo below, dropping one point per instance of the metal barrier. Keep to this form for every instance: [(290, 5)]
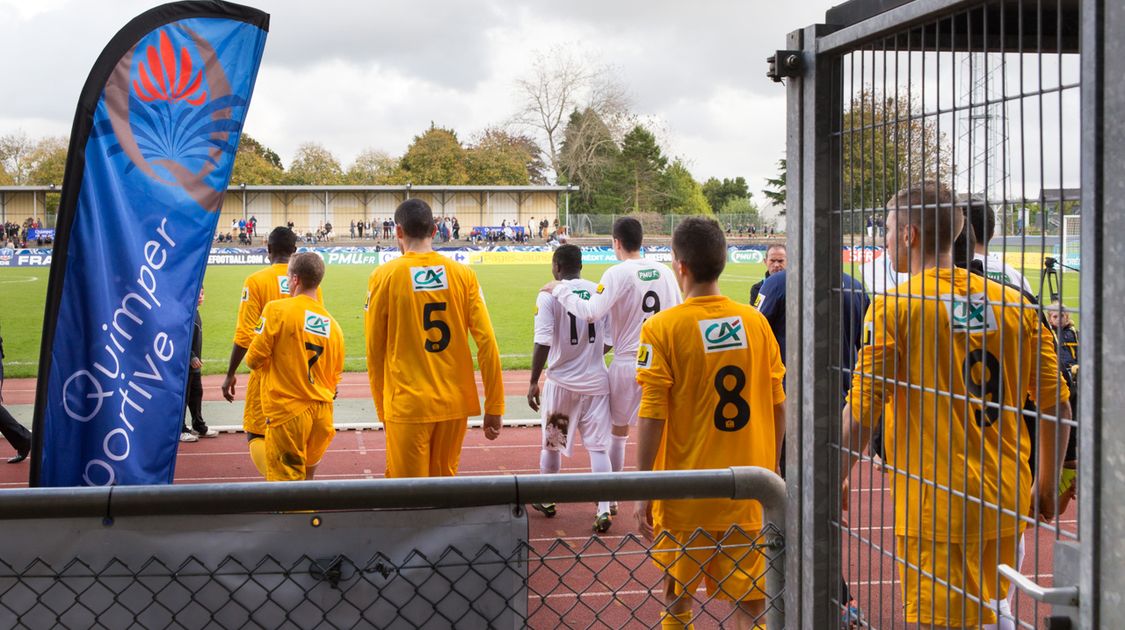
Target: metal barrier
[(1001, 108), (128, 556)]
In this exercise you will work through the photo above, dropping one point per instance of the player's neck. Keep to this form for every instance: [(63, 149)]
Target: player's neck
[(309, 293), (918, 264), (701, 289), (417, 246), (630, 255)]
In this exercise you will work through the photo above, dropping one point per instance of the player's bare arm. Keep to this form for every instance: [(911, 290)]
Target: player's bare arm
[(1052, 437), (538, 362), (650, 432), (237, 353)]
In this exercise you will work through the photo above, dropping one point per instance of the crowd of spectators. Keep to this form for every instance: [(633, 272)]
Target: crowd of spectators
[(25, 234)]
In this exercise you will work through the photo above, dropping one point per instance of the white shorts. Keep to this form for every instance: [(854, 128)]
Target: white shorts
[(624, 393), (566, 413)]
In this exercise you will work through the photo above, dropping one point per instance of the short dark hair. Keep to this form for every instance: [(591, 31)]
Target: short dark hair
[(416, 218), (308, 267), (983, 219), (700, 245), (568, 258), (929, 207), (964, 245), (629, 232), (282, 241)]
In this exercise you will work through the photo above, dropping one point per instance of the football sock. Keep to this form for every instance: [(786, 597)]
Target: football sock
[(549, 462), (599, 463), (258, 455), (676, 621), (617, 452)]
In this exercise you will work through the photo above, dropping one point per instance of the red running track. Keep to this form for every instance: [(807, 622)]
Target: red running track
[(618, 587)]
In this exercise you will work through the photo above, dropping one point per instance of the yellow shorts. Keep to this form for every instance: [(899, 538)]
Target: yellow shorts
[(253, 418), (424, 449), (734, 570), (295, 444), (967, 568)]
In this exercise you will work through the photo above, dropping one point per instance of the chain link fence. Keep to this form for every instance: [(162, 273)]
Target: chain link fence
[(742, 225), (250, 559)]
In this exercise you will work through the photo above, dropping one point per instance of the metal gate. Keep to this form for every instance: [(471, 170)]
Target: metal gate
[(908, 120)]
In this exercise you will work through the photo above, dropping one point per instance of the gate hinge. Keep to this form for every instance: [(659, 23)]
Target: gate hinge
[(784, 63)]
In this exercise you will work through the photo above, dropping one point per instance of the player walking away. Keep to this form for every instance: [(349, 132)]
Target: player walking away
[(576, 394), (776, 262), (198, 428), (955, 360), (260, 288), (711, 376), (299, 351), (421, 308), (983, 219), (630, 293)]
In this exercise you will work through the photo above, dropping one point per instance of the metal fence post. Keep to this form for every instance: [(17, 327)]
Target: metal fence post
[(813, 412), (1101, 434)]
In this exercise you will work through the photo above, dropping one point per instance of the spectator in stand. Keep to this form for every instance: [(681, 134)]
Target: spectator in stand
[(359, 228), (351, 229), (456, 229)]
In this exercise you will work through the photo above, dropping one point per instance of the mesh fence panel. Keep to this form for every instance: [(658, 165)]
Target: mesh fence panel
[(565, 583)]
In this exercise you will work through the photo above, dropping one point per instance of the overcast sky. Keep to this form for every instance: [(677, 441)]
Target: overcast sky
[(354, 75)]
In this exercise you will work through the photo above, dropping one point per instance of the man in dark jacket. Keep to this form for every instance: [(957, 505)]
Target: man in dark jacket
[(776, 261), (199, 428), (16, 434)]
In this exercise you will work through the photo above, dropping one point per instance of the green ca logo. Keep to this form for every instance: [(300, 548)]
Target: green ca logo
[(723, 335), (316, 324), (429, 277)]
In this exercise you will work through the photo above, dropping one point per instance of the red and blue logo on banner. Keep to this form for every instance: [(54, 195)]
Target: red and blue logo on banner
[(141, 197)]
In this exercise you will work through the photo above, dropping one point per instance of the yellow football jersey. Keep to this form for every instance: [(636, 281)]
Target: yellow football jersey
[(261, 287), (711, 369), (299, 350), (938, 348), (420, 311)]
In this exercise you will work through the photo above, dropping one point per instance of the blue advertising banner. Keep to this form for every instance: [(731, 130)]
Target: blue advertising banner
[(153, 144)]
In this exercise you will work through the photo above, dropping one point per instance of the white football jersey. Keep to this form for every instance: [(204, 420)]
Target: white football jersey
[(630, 292), (996, 269), (576, 361)]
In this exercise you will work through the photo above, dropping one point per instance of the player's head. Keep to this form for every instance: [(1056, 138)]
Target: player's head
[(776, 258), (964, 245), (699, 251), (922, 221), (306, 271), (983, 219), (414, 219), (627, 236), (281, 244), (566, 264), (1057, 315)]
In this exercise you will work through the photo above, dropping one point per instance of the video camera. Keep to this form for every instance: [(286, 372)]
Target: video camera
[(1051, 276)]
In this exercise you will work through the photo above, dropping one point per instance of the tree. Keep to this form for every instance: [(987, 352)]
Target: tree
[(775, 186), (500, 158), (314, 165), (588, 155), (48, 161), (15, 156), (640, 168), (256, 164), (886, 144), (373, 167), (680, 193), (560, 84), (745, 207), (435, 157), (720, 192)]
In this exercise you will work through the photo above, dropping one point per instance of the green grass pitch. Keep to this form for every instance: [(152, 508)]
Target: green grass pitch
[(509, 290)]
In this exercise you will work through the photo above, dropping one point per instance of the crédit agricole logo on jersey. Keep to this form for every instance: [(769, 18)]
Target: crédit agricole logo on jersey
[(429, 278), (283, 284), (971, 314), (316, 324), (722, 334)]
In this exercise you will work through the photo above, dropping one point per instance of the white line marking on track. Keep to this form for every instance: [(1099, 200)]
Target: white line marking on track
[(27, 280)]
